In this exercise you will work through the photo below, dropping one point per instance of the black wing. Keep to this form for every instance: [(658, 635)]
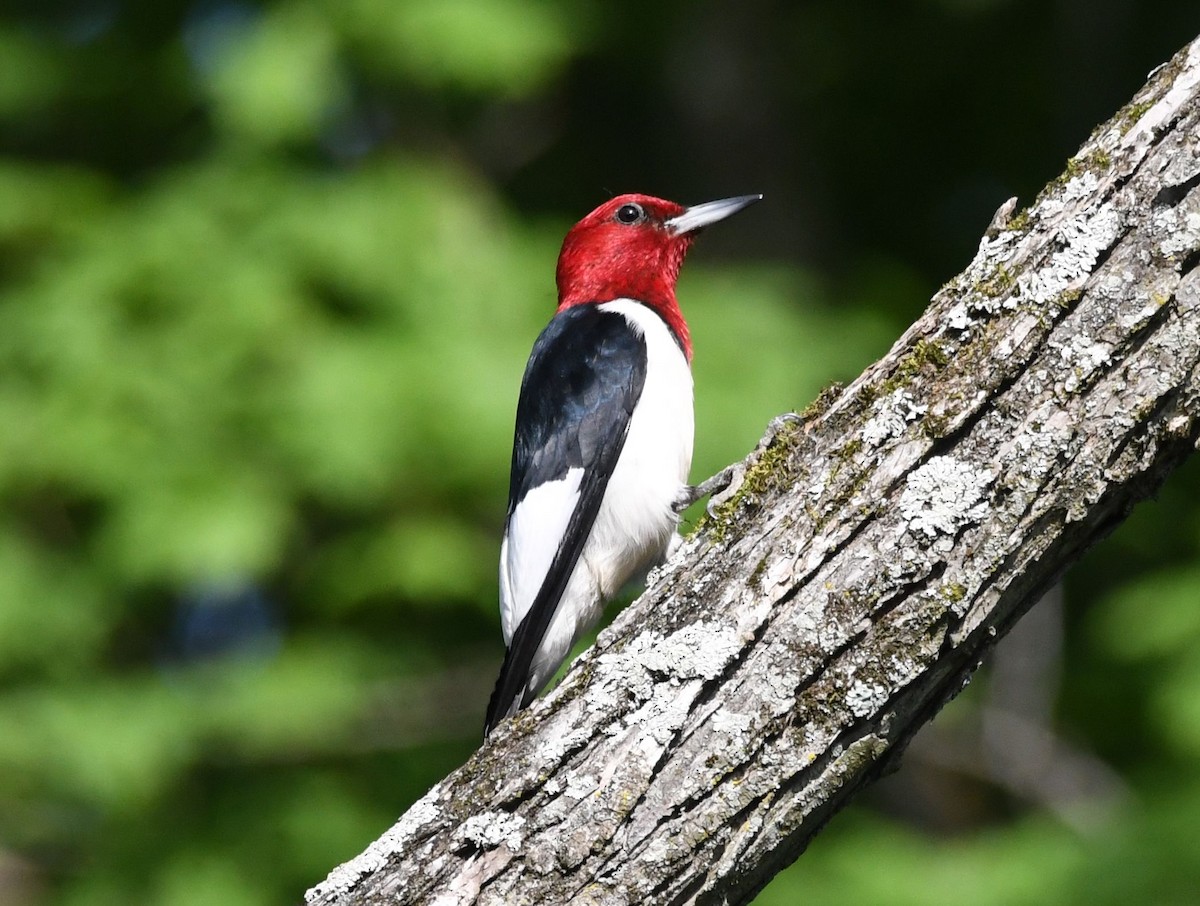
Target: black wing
[(584, 377)]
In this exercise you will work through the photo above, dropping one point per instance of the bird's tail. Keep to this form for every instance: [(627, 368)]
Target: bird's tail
[(517, 685), (511, 693)]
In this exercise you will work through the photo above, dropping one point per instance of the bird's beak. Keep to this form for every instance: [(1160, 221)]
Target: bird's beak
[(699, 216)]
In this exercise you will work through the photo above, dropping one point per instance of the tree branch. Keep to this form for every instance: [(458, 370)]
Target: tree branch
[(862, 563)]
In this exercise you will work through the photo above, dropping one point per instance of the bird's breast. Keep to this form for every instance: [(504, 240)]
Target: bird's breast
[(637, 517)]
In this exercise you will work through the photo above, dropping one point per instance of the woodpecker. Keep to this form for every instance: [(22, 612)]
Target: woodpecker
[(603, 439)]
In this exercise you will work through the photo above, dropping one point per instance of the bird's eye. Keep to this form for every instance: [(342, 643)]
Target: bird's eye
[(630, 213)]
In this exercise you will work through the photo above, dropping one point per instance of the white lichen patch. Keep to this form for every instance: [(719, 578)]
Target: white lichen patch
[(991, 246), (1184, 234), (731, 723), (1083, 238), (554, 749), (816, 488), (579, 786), (890, 415), (661, 718), (1081, 186), (900, 668), (698, 651), (864, 698), (487, 830), (619, 674), (958, 318), (424, 811), (778, 690), (831, 634), (944, 495), (1035, 448), (657, 850), (1134, 319), (1083, 356), (901, 561)]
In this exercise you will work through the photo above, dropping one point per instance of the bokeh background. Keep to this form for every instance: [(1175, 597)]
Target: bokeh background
[(269, 272)]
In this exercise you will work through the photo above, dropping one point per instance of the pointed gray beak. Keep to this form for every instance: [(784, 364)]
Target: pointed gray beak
[(701, 215)]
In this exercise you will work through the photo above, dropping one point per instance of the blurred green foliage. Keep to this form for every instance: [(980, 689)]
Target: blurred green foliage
[(269, 272)]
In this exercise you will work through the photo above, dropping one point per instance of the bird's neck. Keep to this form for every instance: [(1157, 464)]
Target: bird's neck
[(674, 319), (649, 280), (666, 307)]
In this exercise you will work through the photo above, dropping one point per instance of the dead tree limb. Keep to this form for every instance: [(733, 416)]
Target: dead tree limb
[(868, 556)]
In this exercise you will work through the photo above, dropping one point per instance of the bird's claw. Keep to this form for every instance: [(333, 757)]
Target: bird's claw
[(724, 484), (693, 492)]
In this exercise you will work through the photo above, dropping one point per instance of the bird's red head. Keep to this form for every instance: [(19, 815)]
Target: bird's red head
[(632, 248)]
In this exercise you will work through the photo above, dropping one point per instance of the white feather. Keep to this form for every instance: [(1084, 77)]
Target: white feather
[(537, 526)]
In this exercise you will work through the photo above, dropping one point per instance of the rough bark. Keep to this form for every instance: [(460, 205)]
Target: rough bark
[(869, 553)]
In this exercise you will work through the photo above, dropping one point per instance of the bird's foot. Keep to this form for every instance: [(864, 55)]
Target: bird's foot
[(724, 484), (693, 492)]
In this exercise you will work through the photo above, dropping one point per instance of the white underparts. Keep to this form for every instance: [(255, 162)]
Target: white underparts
[(636, 520)]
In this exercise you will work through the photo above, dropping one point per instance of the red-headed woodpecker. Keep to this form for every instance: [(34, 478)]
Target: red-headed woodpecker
[(604, 434)]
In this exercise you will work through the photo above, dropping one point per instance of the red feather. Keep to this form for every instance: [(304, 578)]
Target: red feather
[(603, 259)]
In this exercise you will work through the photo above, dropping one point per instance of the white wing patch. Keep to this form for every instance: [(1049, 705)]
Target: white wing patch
[(530, 542)]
